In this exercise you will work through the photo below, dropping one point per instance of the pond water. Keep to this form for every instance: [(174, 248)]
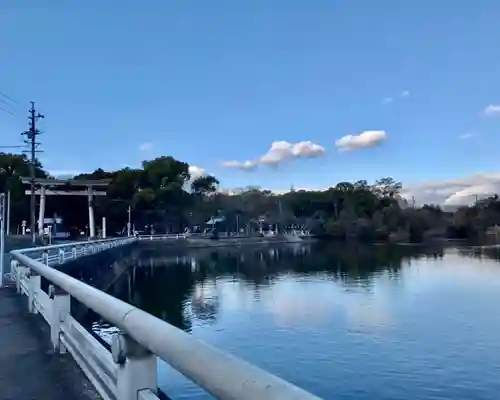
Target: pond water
[(342, 322)]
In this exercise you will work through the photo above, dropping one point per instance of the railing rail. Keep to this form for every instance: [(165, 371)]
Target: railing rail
[(167, 236), (129, 371), (68, 245)]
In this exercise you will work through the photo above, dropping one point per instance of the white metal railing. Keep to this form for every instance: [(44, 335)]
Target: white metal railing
[(61, 253), (129, 371), (167, 236)]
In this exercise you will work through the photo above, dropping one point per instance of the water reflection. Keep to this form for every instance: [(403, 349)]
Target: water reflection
[(182, 287), (413, 322)]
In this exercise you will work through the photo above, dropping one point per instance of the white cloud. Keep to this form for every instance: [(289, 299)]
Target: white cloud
[(363, 140), (196, 172), (452, 192), (245, 165), (146, 146), (279, 152), (466, 136), (391, 99), (492, 110)]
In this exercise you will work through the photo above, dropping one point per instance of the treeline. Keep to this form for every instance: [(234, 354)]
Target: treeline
[(162, 194)]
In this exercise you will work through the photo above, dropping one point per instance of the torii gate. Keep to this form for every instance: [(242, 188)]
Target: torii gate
[(59, 187)]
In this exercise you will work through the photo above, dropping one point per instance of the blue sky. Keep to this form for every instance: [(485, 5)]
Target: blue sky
[(212, 82)]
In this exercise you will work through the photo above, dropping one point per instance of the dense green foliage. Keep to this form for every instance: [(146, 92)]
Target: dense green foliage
[(162, 193)]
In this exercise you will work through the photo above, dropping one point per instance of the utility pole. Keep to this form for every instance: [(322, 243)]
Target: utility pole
[(31, 135)]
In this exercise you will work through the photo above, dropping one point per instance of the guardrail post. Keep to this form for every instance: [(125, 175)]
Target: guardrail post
[(45, 257), (33, 288), (15, 273), (61, 306), (136, 367), (61, 256), (73, 252)]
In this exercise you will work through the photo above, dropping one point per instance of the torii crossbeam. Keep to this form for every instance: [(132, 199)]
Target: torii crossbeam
[(67, 187)]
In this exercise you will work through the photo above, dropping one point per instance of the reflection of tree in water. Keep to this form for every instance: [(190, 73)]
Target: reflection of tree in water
[(181, 286), (491, 252), (100, 270), (159, 291), (347, 263)]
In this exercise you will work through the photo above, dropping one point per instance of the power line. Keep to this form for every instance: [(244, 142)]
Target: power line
[(7, 111), (31, 135), (10, 103), (9, 98)]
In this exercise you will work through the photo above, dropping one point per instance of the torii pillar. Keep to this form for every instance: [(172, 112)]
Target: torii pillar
[(90, 194)]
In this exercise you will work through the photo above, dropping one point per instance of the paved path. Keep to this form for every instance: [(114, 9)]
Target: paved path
[(28, 370)]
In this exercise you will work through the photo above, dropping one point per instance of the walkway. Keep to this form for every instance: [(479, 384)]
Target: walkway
[(27, 369)]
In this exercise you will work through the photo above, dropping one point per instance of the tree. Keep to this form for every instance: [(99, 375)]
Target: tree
[(157, 194), (164, 171), (387, 187), (12, 168), (204, 185)]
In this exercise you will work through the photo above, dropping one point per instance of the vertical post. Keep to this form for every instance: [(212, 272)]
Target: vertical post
[(136, 367), (31, 135), (14, 267), (32, 173), (33, 287), (129, 223), (104, 227), (61, 256), (21, 273), (61, 307), (41, 211), (91, 213), (2, 237), (8, 214)]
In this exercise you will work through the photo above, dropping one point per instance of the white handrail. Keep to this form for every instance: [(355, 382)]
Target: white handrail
[(71, 244), (224, 376)]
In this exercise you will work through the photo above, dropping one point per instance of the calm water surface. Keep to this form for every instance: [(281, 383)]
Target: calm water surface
[(343, 323)]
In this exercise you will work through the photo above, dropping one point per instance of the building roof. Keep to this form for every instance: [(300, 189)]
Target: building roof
[(214, 220)]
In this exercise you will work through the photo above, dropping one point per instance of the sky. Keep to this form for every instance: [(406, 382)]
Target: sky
[(269, 93)]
